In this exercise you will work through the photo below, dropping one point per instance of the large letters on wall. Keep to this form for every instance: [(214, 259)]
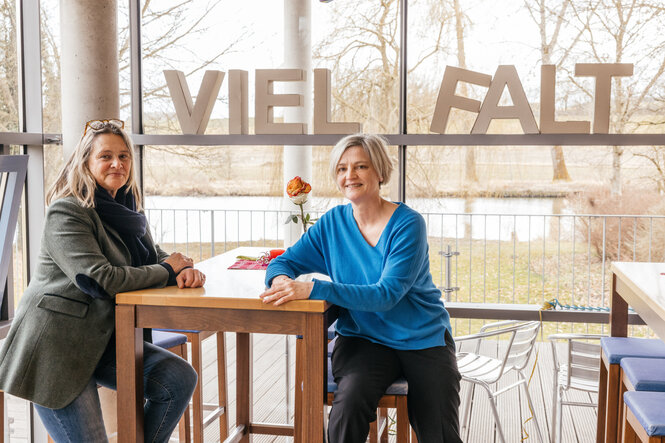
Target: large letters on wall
[(506, 78), (194, 117)]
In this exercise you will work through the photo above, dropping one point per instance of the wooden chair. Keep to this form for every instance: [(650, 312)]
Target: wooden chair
[(217, 411), (644, 419), (395, 398), (176, 343), (640, 374), (609, 400)]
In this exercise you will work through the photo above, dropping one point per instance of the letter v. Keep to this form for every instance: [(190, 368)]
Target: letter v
[(193, 118)]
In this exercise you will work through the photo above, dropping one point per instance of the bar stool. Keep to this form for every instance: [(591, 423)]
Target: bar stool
[(394, 398), (218, 411), (614, 349), (640, 374), (176, 343), (644, 416)]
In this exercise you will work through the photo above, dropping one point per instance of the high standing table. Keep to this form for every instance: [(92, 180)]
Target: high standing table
[(229, 301), (642, 286)]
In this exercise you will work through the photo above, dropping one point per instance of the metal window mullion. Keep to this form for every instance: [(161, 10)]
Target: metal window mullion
[(602, 279), (498, 284), (30, 120), (544, 251), (485, 261), (572, 287), (401, 149), (514, 252), (588, 253), (558, 257), (136, 85), (528, 278)]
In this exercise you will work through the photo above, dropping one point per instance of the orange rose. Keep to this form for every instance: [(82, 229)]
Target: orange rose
[(297, 186)]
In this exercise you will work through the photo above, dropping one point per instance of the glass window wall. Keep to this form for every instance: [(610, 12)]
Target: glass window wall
[(9, 87)]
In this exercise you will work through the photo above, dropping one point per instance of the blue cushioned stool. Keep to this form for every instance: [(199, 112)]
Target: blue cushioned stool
[(218, 411), (168, 340), (640, 374), (643, 374), (614, 349), (395, 398), (176, 343), (644, 414)]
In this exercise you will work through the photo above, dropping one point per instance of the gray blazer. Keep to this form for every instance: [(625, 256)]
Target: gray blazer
[(66, 316)]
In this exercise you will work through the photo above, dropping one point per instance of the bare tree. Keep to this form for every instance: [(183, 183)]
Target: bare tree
[(8, 67), (362, 51), (470, 174), (623, 31), (554, 51)]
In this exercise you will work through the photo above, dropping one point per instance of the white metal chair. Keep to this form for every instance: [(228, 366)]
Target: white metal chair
[(578, 369), (485, 371)]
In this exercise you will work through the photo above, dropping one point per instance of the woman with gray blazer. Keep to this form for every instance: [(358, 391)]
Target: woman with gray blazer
[(96, 243)]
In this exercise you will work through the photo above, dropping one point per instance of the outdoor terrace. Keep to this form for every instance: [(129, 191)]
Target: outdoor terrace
[(508, 266), (270, 401)]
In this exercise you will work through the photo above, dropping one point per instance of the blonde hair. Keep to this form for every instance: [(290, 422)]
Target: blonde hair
[(376, 148), (75, 177)]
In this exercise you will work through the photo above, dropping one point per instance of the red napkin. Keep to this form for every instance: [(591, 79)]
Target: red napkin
[(248, 264)]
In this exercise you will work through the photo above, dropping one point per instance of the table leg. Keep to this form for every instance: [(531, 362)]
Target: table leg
[(243, 383), (315, 364), (618, 312), (129, 355)]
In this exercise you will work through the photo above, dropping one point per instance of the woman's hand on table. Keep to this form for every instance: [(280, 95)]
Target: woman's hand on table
[(284, 289), (179, 262), (190, 278)]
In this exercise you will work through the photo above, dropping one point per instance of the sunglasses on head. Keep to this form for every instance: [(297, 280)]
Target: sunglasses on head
[(98, 125)]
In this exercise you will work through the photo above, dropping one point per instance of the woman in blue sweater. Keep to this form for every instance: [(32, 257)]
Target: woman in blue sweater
[(392, 321)]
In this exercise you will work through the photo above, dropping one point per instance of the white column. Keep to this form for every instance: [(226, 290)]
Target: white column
[(298, 54), (89, 65)]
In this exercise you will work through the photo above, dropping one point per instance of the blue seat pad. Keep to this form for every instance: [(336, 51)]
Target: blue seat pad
[(167, 340), (649, 409), (178, 330), (616, 348), (645, 374), (399, 386)]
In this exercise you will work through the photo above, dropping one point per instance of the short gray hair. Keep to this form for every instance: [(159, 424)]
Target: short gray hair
[(376, 148)]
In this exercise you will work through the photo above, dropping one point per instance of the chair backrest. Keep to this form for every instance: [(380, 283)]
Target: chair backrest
[(582, 364), (12, 178), (521, 345)]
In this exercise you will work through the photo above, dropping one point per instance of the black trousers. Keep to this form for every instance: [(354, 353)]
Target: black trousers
[(363, 370)]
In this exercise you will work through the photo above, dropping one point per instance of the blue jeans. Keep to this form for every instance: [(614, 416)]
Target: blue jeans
[(168, 383)]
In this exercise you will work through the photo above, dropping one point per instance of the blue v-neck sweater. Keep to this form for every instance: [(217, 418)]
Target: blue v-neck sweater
[(386, 292)]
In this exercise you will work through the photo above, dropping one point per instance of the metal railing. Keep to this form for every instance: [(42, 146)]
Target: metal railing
[(494, 258)]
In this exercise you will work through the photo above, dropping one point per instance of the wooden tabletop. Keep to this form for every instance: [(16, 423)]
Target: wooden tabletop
[(224, 288), (642, 286)]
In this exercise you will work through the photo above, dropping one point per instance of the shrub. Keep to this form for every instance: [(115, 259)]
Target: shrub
[(625, 237)]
